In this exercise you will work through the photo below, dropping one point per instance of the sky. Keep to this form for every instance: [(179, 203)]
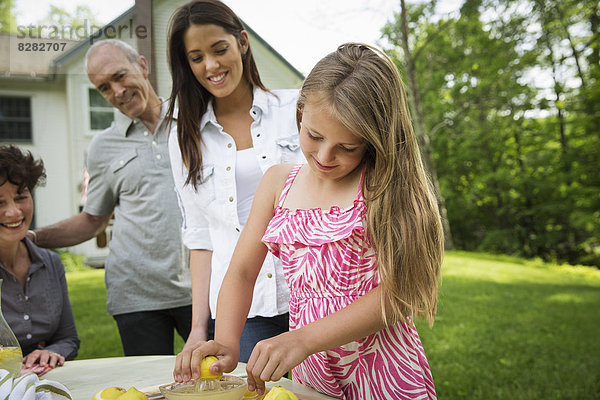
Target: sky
[(302, 32)]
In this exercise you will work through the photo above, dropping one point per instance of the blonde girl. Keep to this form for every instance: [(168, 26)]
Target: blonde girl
[(359, 235)]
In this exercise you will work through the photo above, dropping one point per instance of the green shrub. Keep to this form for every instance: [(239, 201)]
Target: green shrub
[(72, 262)]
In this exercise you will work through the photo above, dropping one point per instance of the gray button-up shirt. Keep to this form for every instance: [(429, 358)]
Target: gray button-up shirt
[(130, 175), (41, 313)]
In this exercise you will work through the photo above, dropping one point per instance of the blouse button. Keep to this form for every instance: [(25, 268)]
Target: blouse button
[(230, 199), (26, 317), (158, 156), (264, 157), (28, 336), (229, 145), (237, 229), (269, 275), (258, 135), (228, 169), (146, 133)]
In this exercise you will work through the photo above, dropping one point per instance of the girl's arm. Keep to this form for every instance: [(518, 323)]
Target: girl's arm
[(235, 295), (273, 358)]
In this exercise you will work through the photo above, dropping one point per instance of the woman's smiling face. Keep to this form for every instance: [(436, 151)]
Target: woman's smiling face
[(16, 212), (215, 58)]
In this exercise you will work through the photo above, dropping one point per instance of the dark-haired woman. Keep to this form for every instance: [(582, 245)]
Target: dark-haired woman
[(230, 130), (35, 301)]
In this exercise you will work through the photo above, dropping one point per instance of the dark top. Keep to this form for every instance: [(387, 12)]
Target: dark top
[(42, 312)]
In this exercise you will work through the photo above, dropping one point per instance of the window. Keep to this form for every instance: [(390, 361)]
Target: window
[(15, 119), (101, 111)]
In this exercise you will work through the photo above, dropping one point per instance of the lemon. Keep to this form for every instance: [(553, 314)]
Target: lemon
[(280, 393), (133, 394), (205, 365), (110, 393)]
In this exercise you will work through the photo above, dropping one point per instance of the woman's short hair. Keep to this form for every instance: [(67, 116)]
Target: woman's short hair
[(20, 168)]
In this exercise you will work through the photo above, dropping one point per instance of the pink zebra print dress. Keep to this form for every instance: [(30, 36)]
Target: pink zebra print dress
[(328, 263)]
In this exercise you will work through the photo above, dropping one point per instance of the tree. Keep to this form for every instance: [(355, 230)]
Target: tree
[(419, 123), (8, 21), (62, 24), (516, 161)]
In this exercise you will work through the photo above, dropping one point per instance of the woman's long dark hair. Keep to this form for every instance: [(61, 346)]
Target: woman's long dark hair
[(191, 96)]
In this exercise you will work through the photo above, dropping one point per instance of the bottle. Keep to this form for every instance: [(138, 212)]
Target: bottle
[(11, 356)]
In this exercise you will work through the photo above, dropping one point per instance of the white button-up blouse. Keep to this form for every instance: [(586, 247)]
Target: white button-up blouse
[(210, 219)]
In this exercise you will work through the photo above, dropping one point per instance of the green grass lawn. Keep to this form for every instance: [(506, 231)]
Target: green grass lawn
[(506, 328), (97, 330)]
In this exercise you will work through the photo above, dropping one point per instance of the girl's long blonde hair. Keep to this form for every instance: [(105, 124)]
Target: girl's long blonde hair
[(364, 91)]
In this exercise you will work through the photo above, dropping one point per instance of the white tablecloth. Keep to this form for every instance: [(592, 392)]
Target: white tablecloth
[(84, 378)]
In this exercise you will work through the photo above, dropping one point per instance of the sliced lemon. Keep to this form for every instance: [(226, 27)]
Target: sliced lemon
[(133, 394), (110, 393)]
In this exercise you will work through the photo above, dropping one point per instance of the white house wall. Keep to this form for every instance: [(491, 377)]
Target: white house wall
[(50, 141)]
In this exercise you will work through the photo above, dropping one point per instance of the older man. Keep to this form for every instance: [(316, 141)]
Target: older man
[(147, 276)]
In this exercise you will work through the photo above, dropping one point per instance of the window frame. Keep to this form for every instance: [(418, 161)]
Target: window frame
[(27, 120), (97, 109)]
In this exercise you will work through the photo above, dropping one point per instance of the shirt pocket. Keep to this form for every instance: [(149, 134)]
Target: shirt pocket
[(126, 170), (289, 149), (206, 189)]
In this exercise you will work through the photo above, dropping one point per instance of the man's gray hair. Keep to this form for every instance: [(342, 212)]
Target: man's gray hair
[(131, 53)]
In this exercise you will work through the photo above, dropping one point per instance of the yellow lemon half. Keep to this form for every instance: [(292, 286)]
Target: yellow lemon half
[(204, 368), (133, 394), (280, 393), (110, 393)]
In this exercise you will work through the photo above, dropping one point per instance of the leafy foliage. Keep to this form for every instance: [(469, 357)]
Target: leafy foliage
[(8, 21), (515, 154), (72, 262)]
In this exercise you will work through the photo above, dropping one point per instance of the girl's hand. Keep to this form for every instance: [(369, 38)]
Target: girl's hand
[(43, 357), (187, 363), (272, 358)]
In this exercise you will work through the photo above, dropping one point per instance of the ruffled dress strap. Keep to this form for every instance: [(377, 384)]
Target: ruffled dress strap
[(288, 184), (313, 227)]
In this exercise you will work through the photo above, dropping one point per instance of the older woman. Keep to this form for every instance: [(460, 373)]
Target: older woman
[(35, 301)]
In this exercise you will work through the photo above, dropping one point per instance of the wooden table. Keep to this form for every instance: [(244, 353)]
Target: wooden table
[(84, 378)]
